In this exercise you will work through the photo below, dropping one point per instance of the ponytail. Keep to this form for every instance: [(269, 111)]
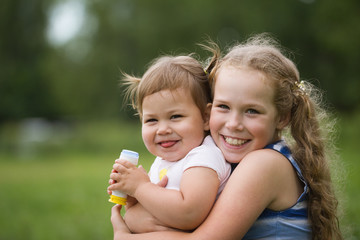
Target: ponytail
[(309, 123)]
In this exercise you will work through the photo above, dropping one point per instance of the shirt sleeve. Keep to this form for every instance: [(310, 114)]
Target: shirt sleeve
[(210, 156)]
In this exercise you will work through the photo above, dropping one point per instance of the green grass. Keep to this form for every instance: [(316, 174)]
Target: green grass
[(58, 199), (57, 189)]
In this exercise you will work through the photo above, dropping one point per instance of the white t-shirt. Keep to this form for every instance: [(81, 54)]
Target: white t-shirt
[(206, 155)]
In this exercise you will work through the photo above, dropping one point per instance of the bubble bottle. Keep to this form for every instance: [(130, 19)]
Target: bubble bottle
[(119, 197)]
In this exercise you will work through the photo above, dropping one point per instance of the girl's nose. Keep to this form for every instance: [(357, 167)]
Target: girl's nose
[(234, 122)]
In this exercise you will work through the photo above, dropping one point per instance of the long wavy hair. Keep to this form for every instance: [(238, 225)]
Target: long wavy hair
[(308, 128)]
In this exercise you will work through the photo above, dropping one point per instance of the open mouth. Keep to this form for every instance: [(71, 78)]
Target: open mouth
[(235, 141)]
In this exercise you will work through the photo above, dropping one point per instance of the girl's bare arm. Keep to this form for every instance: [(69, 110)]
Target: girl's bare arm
[(257, 183), (184, 209)]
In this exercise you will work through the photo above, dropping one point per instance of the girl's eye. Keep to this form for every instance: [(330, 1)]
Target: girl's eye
[(175, 116), (252, 111), (223, 106)]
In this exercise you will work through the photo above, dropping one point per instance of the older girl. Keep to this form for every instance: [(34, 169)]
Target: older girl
[(279, 189)]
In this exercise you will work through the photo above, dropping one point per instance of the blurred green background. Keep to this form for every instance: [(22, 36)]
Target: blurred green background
[(62, 121)]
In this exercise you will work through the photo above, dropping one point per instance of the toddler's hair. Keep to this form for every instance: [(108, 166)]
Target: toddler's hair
[(169, 73)]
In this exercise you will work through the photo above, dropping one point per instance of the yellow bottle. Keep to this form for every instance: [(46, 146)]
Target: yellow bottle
[(119, 197)]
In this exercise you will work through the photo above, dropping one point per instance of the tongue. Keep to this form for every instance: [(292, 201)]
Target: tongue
[(168, 144)]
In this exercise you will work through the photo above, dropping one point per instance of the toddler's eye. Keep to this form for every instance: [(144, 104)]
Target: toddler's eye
[(175, 116), (150, 120)]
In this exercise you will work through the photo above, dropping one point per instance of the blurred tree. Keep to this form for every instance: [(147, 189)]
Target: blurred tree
[(81, 76), (336, 32), (24, 91), (321, 34)]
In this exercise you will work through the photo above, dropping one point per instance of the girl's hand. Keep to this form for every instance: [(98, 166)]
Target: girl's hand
[(118, 223), (127, 177)]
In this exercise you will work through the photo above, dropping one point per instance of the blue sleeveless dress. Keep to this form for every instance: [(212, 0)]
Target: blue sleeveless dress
[(291, 223)]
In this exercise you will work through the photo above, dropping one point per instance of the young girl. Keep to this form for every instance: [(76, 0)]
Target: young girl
[(278, 190), (172, 99)]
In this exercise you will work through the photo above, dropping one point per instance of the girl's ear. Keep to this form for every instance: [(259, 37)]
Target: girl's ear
[(207, 117), (283, 121)]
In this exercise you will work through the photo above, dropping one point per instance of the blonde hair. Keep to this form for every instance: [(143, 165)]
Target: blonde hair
[(301, 101), (169, 73)]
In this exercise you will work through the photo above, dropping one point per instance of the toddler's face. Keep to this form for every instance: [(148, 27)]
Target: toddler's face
[(172, 124), (243, 115)]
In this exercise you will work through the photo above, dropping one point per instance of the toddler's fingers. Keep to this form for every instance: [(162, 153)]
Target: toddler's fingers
[(114, 186), (163, 182), (124, 163), (115, 177), (119, 168)]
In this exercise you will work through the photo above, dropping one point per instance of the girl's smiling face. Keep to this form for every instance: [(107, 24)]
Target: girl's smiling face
[(243, 114)]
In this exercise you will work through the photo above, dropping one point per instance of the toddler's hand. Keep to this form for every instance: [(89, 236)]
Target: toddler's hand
[(128, 177), (163, 182), (111, 181)]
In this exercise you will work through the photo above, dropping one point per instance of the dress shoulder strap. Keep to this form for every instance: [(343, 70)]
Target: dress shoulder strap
[(282, 148)]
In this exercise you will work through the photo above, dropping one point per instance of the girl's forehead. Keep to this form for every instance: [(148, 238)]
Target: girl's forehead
[(235, 71), (253, 72), (243, 81)]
